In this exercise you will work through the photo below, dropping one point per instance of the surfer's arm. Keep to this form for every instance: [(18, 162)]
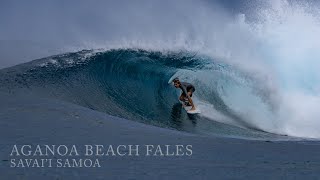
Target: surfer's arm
[(184, 90)]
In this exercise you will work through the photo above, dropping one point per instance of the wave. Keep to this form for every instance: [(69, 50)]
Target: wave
[(133, 84), (254, 68)]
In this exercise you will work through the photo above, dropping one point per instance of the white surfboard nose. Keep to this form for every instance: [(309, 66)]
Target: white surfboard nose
[(196, 111)]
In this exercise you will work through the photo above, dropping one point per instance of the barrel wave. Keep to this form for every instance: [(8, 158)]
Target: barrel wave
[(133, 84)]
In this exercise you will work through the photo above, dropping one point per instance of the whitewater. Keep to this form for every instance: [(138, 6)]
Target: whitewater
[(255, 73)]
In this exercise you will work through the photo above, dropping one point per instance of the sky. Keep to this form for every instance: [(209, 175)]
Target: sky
[(38, 28), (283, 47)]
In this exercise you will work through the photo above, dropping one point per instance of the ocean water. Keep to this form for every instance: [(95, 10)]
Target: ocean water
[(256, 73), (133, 84)]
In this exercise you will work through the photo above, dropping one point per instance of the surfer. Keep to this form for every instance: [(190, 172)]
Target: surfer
[(187, 90)]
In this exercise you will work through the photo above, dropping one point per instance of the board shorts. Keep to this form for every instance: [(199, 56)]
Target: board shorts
[(189, 89)]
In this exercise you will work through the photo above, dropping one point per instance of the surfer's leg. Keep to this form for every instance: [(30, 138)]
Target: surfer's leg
[(191, 101), (183, 98)]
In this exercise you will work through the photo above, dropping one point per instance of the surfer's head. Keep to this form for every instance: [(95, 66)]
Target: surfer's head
[(176, 82)]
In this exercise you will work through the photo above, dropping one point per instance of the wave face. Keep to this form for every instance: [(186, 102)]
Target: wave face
[(256, 72), (133, 84)]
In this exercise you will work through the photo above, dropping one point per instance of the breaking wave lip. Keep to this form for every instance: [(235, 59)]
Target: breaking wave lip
[(133, 84)]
